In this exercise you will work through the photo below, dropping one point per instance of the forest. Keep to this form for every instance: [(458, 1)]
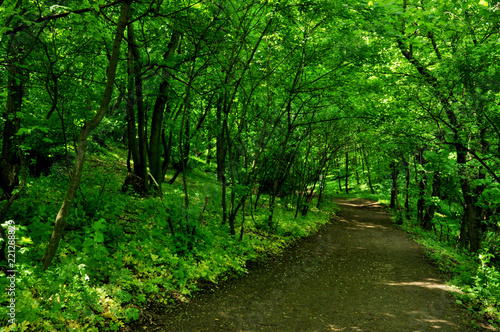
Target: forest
[(152, 147)]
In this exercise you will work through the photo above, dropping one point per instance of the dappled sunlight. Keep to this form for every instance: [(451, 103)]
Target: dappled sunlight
[(359, 274), (421, 322), (430, 321), (358, 225), (362, 204), (435, 321), (368, 225), (351, 204), (428, 283)]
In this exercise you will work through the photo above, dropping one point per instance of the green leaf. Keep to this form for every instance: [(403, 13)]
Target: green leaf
[(88, 242), (98, 237), (98, 225), (132, 313), (24, 131)]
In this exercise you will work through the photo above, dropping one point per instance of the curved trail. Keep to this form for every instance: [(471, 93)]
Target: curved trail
[(359, 273)]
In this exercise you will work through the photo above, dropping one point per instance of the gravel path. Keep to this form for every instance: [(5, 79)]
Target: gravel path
[(359, 273)]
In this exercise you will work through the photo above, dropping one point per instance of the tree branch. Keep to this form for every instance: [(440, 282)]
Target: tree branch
[(60, 15)]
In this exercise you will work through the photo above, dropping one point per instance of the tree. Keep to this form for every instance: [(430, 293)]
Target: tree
[(84, 134), (451, 76)]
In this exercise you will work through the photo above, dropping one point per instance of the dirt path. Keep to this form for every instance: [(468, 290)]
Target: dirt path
[(358, 274)]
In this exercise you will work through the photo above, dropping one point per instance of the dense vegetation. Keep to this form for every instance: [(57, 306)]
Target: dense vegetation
[(151, 146)]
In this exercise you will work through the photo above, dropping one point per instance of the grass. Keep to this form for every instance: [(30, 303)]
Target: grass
[(364, 192)]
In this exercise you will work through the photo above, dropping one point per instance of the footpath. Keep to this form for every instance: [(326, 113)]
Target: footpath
[(359, 273)]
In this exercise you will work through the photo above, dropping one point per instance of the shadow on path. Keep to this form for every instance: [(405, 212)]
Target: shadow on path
[(359, 273)]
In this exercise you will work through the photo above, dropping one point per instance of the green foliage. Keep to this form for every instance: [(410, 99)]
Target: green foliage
[(118, 253), (380, 97), (482, 295)]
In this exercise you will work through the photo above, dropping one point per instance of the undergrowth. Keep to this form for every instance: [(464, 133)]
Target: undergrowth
[(118, 254)]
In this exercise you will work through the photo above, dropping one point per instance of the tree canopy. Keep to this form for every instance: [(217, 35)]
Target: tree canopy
[(269, 97)]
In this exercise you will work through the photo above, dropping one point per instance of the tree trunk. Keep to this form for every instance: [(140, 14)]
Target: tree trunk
[(302, 206), (469, 232), (221, 169), (322, 184), (141, 169), (340, 181), (356, 163), (155, 145), (422, 184), (407, 187), (82, 140), (220, 144), (347, 171), (12, 123), (209, 147), (184, 153), (394, 188), (368, 171), (221, 154), (131, 126), (233, 207), (242, 230), (430, 206), (9, 163), (167, 148)]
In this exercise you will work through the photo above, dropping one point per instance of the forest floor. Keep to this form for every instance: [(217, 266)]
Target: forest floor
[(358, 273)]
